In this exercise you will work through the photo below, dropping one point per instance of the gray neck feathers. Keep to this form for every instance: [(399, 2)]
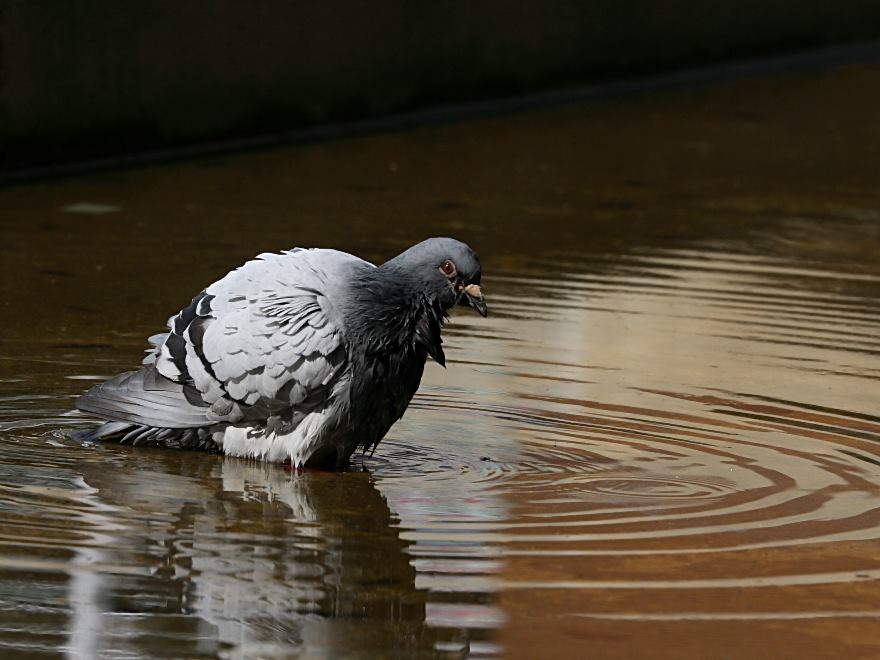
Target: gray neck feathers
[(389, 312)]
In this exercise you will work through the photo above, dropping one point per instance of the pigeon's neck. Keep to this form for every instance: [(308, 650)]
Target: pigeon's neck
[(390, 314)]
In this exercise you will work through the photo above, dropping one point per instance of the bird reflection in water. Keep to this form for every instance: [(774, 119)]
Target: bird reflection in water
[(246, 557)]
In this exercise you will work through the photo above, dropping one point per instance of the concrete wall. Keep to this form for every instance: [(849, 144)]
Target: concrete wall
[(95, 78)]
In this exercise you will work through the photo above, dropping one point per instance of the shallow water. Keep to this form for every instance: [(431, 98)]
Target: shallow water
[(662, 443)]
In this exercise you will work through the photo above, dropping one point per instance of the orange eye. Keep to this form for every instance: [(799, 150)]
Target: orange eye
[(447, 268)]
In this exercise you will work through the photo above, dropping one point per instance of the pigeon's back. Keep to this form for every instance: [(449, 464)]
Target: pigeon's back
[(264, 344)]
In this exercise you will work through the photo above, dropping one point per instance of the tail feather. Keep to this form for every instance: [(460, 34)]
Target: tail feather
[(144, 398), (136, 434), (107, 431)]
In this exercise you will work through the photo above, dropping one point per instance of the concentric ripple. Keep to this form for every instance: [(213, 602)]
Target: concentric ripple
[(707, 426), (618, 464)]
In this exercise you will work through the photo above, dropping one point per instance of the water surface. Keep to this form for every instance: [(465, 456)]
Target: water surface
[(662, 443)]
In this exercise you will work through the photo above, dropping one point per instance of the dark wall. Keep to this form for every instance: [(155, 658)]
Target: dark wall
[(103, 77)]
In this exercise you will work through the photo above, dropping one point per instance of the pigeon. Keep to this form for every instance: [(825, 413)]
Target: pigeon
[(299, 357)]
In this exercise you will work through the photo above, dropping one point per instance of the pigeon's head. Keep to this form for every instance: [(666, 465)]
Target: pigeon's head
[(446, 270)]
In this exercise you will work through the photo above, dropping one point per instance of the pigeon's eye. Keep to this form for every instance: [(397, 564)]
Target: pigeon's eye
[(447, 268)]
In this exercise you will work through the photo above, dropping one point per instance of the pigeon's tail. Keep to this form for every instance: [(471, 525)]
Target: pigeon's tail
[(137, 434), (106, 431), (145, 398)]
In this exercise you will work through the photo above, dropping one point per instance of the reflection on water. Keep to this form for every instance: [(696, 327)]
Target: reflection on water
[(266, 561), (177, 553), (667, 430)]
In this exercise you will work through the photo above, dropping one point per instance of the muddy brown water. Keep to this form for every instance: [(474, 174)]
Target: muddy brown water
[(663, 442)]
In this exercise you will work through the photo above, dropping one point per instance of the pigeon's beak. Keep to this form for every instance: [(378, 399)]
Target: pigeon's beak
[(474, 298)]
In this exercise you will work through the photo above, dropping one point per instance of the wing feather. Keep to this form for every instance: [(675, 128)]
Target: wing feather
[(263, 338), (264, 334)]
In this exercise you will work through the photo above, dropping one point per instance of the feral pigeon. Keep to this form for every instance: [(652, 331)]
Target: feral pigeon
[(301, 356)]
